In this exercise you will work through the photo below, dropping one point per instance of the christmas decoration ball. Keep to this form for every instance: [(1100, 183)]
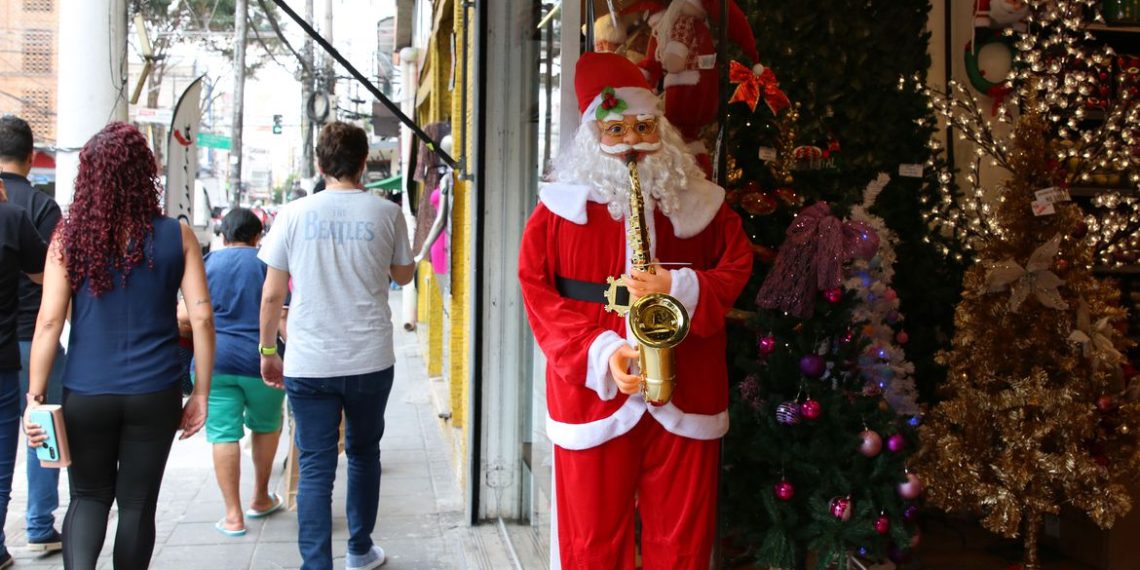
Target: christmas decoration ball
[(916, 539), (896, 443), (911, 488), (871, 443), (847, 337), (910, 514), (1061, 265), (840, 508), (813, 365), (1106, 403), (758, 203), (883, 524), (767, 345), (902, 337), (784, 490), (811, 409), (890, 294), (788, 413), (833, 295)]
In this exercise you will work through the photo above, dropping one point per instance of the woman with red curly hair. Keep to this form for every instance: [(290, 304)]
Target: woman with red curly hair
[(119, 263)]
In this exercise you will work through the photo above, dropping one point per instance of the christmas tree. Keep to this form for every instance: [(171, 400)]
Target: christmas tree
[(816, 459), (1034, 416)]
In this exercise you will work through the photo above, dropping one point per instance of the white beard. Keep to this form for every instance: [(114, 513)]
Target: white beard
[(664, 174)]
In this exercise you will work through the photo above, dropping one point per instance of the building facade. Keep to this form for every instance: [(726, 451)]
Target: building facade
[(28, 38)]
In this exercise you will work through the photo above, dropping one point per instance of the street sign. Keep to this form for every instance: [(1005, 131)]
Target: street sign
[(211, 140), (152, 115)]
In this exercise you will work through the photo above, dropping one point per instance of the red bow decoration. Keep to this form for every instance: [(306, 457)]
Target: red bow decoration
[(753, 85)]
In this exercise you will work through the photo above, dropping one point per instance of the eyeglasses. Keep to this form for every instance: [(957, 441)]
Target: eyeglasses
[(618, 129)]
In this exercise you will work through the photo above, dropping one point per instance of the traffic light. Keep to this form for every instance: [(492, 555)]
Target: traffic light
[(277, 124)]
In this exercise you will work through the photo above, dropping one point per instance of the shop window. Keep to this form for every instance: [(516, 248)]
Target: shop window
[(37, 52), (39, 5)]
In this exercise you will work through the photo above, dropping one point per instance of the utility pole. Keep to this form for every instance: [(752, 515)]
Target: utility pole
[(330, 63), (92, 84), (307, 94), (240, 11)]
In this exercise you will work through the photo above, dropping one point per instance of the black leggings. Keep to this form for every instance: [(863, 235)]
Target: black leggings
[(119, 446)]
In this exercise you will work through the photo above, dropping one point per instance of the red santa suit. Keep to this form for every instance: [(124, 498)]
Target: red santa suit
[(612, 449)]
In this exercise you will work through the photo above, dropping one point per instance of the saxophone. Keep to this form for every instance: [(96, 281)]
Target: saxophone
[(658, 322)]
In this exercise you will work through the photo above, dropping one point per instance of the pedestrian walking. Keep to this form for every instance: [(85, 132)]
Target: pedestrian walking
[(21, 253), (120, 264), (341, 247), (237, 395), (16, 152)]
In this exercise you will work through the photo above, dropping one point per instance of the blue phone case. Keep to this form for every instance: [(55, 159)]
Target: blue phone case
[(49, 451)]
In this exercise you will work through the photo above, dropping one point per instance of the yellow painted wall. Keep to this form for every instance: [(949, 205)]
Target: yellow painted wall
[(463, 230)]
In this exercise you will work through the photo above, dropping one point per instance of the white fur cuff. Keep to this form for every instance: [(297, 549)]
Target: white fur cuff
[(687, 77), (686, 288), (677, 49), (598, 377)]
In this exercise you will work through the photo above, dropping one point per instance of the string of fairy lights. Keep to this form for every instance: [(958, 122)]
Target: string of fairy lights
[(1065, 75)]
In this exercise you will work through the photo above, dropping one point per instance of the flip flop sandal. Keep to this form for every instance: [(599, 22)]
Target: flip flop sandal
[(278, 502), (220, 526)]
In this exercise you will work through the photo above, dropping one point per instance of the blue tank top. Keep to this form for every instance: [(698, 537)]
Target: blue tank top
[(235, 276), (126, 340)]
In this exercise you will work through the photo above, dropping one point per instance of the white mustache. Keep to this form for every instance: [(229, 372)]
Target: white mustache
[(623, 148)]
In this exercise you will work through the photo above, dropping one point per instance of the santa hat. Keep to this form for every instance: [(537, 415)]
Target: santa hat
[(609, 86)]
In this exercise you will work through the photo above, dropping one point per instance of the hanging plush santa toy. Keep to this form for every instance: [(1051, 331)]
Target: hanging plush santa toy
[(683, 53), (613, 452)]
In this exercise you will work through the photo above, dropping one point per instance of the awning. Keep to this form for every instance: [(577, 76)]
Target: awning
[(393, 183)]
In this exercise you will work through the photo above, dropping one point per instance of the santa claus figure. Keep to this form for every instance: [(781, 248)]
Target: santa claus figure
[(615, 454), (683, 53)]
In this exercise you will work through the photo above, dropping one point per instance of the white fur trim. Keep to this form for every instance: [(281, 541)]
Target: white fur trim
[(687, 77), (686, 288), (638, 101), (695, 426), (697, 206), (597, 432), (598, 377), (567, 201), (555, 555)]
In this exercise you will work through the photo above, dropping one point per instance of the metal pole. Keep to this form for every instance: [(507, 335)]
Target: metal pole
[(330, 69), (92, 83), (307, 170), (375, 91), (722, 129), (240, 11), (589, 25)]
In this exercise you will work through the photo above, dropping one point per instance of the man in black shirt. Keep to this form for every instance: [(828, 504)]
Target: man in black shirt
[(16, 152), (22, 251)]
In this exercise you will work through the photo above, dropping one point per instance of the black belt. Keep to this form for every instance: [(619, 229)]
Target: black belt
[(587, 291)]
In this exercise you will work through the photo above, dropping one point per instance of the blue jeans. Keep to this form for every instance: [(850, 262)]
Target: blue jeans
[(43, 483), (9, 436), (317, 406)]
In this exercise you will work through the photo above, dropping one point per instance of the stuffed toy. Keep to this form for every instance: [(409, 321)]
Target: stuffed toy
[(682, 54)]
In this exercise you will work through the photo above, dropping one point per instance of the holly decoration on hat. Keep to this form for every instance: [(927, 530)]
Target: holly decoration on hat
[(610, 104)]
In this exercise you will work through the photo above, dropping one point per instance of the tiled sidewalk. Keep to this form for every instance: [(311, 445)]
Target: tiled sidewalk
[(421, 524)]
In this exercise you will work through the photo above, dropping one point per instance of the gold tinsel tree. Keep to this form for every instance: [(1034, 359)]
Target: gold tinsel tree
[(1035, 415)]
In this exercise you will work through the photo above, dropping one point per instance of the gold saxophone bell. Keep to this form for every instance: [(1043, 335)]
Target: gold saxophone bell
[(658, 322)]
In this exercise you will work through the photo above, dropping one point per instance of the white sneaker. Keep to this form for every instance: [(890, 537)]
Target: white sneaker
[(373, 559)]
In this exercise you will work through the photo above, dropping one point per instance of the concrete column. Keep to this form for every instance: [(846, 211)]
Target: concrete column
[(240, 12), (92, 88)]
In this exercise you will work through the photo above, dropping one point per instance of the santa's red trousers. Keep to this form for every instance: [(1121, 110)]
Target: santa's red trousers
[(671, 479)]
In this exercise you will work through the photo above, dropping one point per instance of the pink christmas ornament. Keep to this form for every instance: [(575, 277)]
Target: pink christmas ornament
[(784, 490), (871, 443), (883, 524), (911, 488), (890, 294), (766, 345), (840, 508), (833, 295), (902, 337), (896, 443)]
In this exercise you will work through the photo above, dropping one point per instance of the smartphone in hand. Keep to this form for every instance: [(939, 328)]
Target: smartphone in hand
[(53, 452)]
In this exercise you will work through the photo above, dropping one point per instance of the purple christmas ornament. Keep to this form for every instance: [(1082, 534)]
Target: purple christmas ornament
[(813, 365)]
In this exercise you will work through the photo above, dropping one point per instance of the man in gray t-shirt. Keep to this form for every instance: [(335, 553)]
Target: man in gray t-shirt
[(340, 248)]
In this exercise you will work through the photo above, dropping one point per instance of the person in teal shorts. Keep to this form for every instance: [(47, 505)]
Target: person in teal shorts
[(238, 397)]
